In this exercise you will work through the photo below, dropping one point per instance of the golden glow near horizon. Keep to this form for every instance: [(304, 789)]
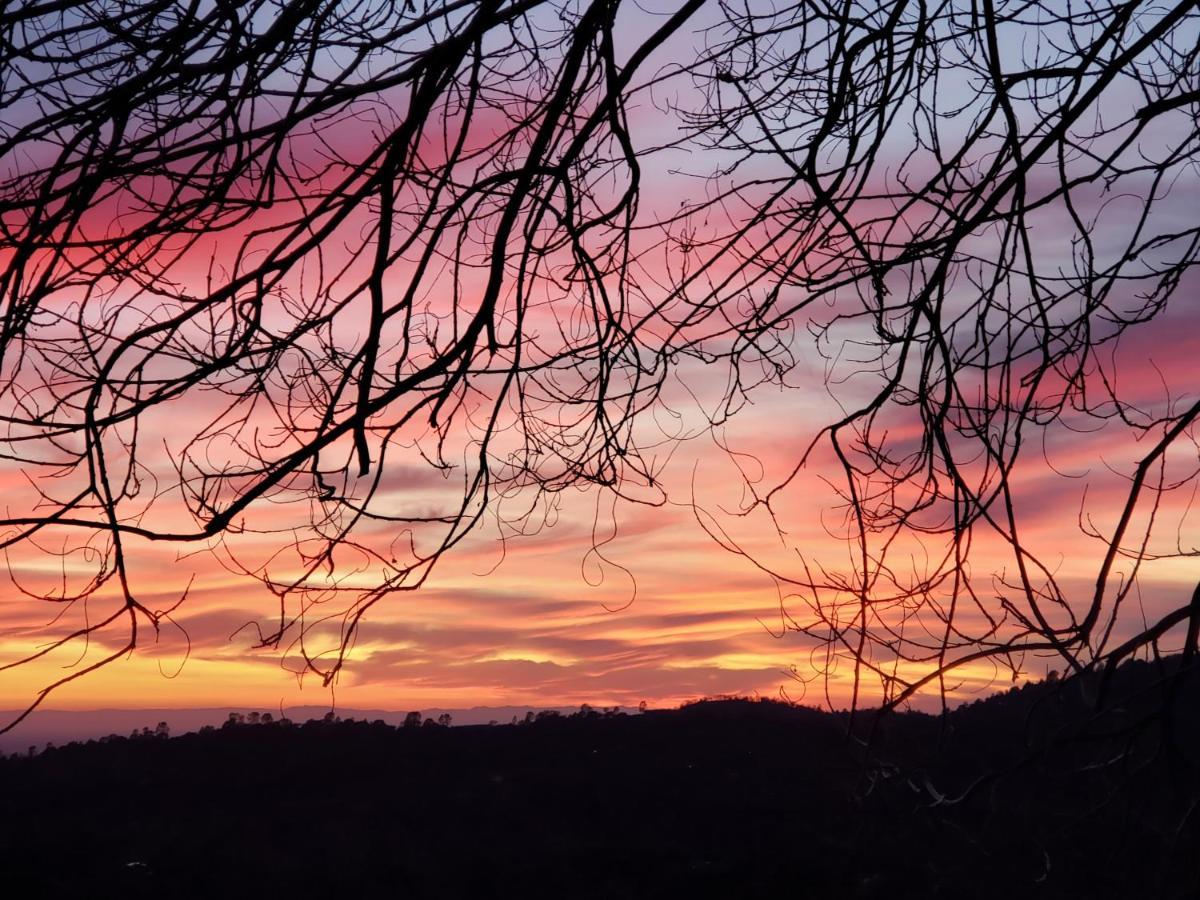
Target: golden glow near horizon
[(549, 625)]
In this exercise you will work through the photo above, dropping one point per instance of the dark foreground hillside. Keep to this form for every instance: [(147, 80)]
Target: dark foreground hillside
[(1029, 794)]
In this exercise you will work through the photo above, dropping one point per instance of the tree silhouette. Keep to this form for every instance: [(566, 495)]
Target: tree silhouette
[(265, 264), (970, 206), (337, 240)]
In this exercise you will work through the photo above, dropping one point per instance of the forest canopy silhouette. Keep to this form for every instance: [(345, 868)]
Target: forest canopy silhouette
[(355, 277)]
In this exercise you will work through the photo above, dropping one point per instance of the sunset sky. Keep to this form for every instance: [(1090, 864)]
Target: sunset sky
[(610, 601), (546, 622)]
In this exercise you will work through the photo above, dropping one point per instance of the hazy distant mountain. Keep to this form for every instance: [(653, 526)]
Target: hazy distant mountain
[(62, 726)]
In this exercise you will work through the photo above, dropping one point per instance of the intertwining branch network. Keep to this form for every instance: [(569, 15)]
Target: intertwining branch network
[(312, 288)]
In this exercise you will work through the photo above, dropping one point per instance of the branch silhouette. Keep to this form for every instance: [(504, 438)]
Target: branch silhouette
[(263, 262)]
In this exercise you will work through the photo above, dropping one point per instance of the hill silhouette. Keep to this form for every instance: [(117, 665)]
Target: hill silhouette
[(1031, 793)]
